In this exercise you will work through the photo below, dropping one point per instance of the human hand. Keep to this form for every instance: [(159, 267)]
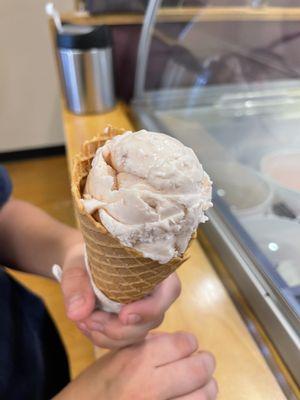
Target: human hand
[(105, 329), (162, 367)]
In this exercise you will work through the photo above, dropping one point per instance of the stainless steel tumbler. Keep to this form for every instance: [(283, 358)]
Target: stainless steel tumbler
[(86, 68)]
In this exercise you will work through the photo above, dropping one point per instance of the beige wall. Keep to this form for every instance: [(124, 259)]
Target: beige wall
[(29, 93)]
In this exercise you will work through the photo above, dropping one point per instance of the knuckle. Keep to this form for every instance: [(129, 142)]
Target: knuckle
[(101, 341), (98, 339), (71, 274), (116, 334)]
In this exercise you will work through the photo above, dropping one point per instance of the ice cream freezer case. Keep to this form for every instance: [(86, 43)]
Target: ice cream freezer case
[(251, 154), (230, 89)]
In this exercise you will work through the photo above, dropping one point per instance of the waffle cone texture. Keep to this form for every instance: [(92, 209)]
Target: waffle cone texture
[(121, 273)]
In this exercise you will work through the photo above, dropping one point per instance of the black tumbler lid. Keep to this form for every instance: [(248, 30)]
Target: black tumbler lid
[(83, 37)]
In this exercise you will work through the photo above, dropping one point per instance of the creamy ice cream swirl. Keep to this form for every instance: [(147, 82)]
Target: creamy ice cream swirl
[(150, 192)]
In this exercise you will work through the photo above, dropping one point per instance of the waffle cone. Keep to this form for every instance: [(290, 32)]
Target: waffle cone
[(120, 272)]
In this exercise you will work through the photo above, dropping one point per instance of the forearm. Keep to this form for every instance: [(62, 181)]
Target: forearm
[(32, 241)]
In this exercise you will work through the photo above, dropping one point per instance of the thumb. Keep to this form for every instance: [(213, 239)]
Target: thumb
[(78, 294)]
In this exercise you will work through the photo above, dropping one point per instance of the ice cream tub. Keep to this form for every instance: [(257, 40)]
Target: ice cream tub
[(243, 189), (278, 238), (282, 169)]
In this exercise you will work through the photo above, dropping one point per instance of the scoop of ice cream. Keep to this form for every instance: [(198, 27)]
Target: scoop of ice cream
[(150, 192)]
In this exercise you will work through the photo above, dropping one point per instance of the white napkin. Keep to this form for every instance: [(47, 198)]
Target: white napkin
[(103, 302)]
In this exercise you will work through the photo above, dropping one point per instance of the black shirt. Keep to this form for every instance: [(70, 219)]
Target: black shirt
[(33, 364)]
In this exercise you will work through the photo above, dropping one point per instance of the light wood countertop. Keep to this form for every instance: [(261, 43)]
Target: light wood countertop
[(183, 14), (204, 307)]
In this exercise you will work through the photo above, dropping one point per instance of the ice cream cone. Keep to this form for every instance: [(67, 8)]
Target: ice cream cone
[(121, 273)]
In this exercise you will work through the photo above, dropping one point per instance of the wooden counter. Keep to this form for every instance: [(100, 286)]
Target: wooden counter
[(184, 14), (204, 307)]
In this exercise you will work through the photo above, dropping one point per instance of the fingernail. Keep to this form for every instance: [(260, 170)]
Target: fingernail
[(209, 362), (75, 302), (96, 326), (133, 319)]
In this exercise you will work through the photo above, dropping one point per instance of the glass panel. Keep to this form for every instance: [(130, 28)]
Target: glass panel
[(228, 85), (204, 53)]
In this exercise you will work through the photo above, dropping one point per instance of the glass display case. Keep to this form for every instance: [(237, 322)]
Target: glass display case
[(226, 82)]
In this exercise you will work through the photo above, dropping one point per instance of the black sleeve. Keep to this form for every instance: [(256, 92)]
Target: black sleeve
[(5, 186)]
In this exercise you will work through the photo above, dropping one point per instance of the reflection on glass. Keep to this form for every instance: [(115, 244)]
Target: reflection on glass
[(231, 90)]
